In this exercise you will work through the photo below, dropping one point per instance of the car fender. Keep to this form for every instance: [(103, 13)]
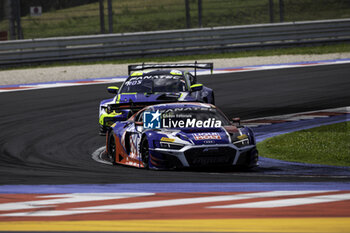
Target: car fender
[(206, 95), (104, 103), (149, 134), (250, 133)]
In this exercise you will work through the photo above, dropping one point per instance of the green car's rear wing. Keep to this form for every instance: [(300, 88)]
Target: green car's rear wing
[(195, 65)]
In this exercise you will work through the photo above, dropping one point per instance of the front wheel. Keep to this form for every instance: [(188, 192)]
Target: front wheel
[(145, 152)]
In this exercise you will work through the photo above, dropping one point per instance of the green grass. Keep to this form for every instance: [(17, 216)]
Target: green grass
[(328, 145), (150, 15)]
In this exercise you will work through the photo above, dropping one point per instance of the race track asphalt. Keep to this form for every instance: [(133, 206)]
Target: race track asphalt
[(48, 135)]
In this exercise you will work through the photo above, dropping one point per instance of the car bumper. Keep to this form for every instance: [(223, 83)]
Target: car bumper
[(205, 156)]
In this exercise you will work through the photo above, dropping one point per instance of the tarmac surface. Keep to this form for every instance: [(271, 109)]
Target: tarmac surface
[(48, 135)]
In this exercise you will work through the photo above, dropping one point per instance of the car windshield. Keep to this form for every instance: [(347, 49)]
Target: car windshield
[(154, 83), (193, 117)]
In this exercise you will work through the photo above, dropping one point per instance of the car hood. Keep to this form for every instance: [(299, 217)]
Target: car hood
[(201, 136), (197, 136)]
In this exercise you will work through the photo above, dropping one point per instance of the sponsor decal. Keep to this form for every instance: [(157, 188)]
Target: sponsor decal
[(133, 82), (206, 136), (138, 80), (189, 109), (164, 139), (209, 142)]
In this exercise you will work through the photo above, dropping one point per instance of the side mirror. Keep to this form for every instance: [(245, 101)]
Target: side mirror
[(113, 89), (196, 87), (236, 120)]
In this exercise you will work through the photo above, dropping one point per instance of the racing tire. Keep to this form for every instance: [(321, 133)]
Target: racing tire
[(102, 130), (145, 152), (212, 99), (112, 148)]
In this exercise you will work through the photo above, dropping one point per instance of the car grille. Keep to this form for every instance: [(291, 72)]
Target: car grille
[(210, 156)]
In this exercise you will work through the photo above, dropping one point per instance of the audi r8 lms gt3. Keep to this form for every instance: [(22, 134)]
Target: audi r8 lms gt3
[(181, 135), (144, 88)]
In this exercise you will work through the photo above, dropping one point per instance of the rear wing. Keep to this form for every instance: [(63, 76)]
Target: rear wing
[(135, 107), (195, 65)]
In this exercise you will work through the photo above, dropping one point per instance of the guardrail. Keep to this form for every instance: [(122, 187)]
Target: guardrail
[(174, 42)]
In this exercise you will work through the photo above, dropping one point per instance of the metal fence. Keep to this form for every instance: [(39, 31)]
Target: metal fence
[(174, 42), (151, 15)]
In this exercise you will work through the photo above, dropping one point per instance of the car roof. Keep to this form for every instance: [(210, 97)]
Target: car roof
[(158, 72)]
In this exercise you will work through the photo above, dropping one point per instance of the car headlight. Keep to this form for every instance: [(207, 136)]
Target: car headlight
[(168, 145), (240, 140), (171, 145)]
